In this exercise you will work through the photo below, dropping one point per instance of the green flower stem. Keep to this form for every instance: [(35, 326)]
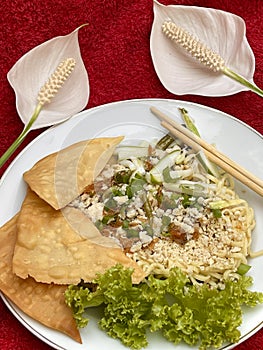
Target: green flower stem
[(4, 158), (228, 72)]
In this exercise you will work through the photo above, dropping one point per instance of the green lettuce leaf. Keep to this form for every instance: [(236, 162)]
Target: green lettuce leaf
[(181, 311)]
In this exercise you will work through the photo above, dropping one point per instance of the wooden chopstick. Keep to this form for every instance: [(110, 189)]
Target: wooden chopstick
[(210, 152)]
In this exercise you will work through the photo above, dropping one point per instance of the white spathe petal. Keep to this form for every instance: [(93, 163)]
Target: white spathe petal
[(223, 32), (33, 70)]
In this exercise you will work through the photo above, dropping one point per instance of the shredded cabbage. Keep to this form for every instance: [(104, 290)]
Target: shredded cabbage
[(181, 311)]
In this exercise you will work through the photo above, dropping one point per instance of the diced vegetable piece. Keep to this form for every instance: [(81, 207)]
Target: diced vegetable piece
[(122, 177), (135, 186), (165, 142), (206, 164), (128, 164), (173, 175), (110, 205), (111, 192), (189, 121), (192, 188), (147, 208), (166, 220), (169, 203), (225, 203), (186, 202), (132, 233), (217, 213), (139, 166), (243, 269), (209, 167), (156, 174), (167, 176), (107, 219), (126, 152)]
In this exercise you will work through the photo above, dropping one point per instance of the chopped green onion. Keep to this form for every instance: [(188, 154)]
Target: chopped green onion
[(167, 161), (127, 152), (243, 269), (166, 220), (147, 207), (125, 224), (189, 121), (132, 233), (169, 203), (149, 230), (135, 186), (217, 213), (107, 219), (172, 176), (165, 142), (167, 176), (122, 177), (221, 204), (188, 187), (111, 192), (110, 204), (206, 164), (186, 200)]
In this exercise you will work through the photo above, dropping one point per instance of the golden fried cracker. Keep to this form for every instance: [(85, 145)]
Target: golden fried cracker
[(62, 176), (43, 302), (50, 249)]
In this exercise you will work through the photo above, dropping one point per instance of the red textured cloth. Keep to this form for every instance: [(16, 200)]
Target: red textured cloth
[(115, 50)]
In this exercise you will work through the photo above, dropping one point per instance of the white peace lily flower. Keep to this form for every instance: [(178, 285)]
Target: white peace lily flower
[(50, 83), (196, 50)]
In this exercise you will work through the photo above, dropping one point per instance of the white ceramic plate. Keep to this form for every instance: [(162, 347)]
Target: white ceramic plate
[(134, 120)]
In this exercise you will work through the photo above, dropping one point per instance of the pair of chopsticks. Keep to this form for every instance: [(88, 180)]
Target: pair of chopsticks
[(210, 152)]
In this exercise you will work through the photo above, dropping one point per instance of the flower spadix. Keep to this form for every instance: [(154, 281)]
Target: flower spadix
[(55, 82), (215, 38)]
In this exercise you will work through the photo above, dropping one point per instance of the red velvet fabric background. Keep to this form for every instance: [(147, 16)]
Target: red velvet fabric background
[(115, 50)]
